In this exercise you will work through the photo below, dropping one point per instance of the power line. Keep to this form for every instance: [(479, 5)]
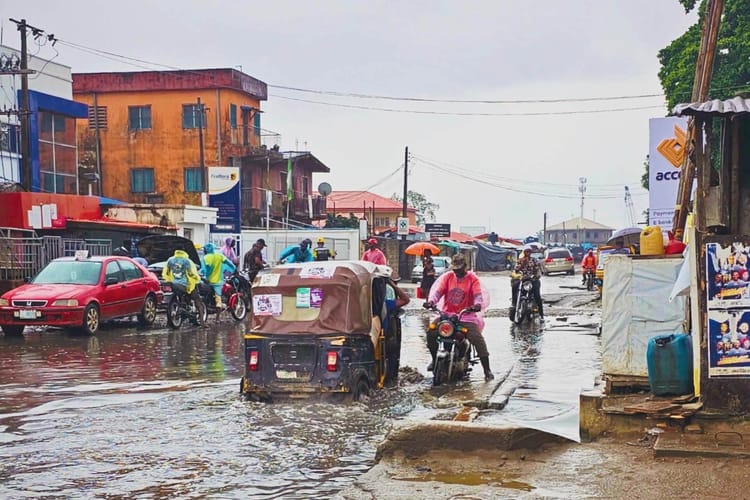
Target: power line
[(465, 101), (550, 194), (533, 182), (466, 113)]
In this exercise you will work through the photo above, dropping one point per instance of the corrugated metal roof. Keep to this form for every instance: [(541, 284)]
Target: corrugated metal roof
[(715, 107)]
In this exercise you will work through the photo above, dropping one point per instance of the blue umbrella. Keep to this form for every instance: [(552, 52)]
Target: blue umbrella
[(629, 234)]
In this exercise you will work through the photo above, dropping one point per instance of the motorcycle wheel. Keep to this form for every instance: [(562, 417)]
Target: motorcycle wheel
[(237, 306), (437, 372), (589, 284), (522, 313), (174, 313)]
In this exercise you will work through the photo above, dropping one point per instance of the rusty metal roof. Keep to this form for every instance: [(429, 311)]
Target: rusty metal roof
[(715, 107)]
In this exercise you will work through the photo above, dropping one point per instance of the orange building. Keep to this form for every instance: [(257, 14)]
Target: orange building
[(381, 213), (144, 131)]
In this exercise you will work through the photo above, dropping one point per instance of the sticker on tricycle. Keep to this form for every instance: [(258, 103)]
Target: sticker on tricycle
[(267, 305)]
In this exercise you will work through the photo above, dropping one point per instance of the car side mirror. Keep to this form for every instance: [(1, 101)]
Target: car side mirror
[(27, 279), (110, 281)]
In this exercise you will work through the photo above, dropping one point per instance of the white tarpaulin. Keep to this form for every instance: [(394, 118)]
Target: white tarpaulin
[(635, 308)]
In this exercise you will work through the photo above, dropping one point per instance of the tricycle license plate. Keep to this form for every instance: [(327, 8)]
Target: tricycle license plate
[(27, 314), (285, 374)]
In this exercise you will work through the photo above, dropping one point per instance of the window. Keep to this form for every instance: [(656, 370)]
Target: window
[(256, 123), (10, 138), (139, 117), (113, 271), (191, 117), (130, 270), (193, 180), (305, 187), (233, 116), (97, 117), (141, 180), (282, 179), (50, 120), (596, 235), (245, 125)]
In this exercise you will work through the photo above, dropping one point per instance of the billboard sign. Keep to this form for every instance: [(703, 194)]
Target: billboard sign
[(666, 149), (224, 194), (439, 230)]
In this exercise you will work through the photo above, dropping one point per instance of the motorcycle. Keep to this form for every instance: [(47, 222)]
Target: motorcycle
[(237, 294), (181, 308), (455, 354), (525, 306), (588, 275)]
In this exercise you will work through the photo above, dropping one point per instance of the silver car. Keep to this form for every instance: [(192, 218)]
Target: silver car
[(557, 260), (442, 264)]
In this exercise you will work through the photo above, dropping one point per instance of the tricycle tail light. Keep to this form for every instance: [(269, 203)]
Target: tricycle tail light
[(252, 362), (332, 361)]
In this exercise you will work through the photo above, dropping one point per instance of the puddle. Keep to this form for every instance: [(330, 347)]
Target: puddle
[(471, 479)]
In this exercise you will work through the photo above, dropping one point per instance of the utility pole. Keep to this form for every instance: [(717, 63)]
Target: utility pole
[(403, 263), (582, 189), (204, 177), (544, 230), (24, 111)]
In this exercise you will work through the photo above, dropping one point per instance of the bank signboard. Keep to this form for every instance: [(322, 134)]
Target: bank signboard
[(667, 137), (224, 195)]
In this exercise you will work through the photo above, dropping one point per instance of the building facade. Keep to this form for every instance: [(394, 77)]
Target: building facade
[(380, 212), (52, 128), (146, 133), (576, 231)]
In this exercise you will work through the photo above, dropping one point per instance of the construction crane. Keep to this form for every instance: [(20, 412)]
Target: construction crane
[(629, 210)]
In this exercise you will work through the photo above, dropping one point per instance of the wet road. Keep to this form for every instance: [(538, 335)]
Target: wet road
[(155, 413)]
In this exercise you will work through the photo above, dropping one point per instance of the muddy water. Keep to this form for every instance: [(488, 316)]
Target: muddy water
[(155, 414)]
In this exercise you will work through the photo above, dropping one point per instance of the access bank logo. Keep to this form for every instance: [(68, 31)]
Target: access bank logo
[(673, 150)]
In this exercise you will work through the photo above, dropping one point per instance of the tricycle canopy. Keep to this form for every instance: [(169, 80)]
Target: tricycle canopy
[(318, 298)]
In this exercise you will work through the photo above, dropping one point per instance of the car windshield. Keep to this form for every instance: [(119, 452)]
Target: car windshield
[(441, 263), (69, 272)]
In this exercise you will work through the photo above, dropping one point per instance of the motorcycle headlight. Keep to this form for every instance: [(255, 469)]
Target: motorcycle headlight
[(445, 329), (527, 286)]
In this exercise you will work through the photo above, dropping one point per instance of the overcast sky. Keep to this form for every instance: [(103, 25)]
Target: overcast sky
[(501, 171)]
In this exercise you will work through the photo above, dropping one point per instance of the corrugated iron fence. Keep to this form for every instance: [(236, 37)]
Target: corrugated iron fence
[(23, 253)]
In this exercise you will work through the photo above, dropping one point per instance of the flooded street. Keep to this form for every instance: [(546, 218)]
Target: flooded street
[(156, 413)]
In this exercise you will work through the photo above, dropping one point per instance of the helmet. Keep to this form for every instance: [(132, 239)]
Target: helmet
[(321, 239), (458, 261), (372, 241)]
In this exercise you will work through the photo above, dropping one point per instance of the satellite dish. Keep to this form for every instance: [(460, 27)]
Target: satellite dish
[(324, 189)]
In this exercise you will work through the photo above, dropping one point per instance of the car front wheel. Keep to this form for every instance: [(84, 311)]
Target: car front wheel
[(13, 330), (148, 312), (91, 319)]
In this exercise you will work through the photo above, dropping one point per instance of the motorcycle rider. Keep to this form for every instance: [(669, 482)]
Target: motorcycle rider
[(253, 261), (182, 271), (526, 268), (297, 253), (321, 252), (588, 263), (461, 289), (373, 253), (213, 266)]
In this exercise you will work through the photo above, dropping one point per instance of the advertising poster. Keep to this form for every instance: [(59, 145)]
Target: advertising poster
[(267, 304), (224, 194), (727, 279), (667, 138)]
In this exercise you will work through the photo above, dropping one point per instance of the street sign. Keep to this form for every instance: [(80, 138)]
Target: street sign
[(440, 230), (402, 225)]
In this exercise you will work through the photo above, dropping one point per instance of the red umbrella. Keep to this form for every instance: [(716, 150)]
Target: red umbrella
[(419, 247)]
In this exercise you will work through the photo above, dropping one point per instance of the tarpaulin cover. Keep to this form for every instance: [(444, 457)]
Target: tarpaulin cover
[(635, 308), (346, 305), (160, 247), (491, 257)]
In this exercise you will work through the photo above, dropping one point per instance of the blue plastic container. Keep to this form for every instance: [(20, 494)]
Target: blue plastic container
[(670, 364)]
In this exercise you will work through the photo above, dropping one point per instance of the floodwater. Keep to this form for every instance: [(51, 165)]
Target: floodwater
[(155, 413)]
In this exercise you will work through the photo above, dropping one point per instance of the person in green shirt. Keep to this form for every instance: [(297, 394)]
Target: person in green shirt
[(213, 266)]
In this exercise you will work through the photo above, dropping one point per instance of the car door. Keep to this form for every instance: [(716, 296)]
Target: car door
[(114, 292), (135, 287)]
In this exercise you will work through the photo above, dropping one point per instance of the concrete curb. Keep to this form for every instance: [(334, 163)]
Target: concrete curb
[(419, 439)]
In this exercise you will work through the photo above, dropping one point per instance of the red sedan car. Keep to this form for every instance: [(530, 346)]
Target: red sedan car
[(81, 293)]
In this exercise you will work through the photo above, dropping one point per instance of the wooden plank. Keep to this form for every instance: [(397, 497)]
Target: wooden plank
[(650, 407)]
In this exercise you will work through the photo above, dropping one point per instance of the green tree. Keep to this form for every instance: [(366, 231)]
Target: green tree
[(340, 221), (731, 73), (425, 209), (644, 177)]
